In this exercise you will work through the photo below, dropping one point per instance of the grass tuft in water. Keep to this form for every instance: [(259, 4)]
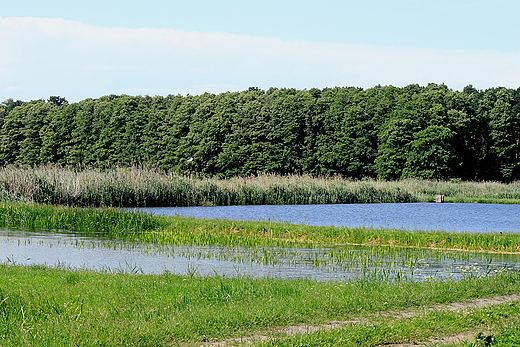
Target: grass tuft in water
[(46, 217)]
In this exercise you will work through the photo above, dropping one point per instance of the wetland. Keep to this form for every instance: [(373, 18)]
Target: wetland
[(73, 250), (332, 274), (80, 272)]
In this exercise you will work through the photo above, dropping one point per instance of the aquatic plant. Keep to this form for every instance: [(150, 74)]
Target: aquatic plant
[(108, 221), (182, 231), (138, 186)]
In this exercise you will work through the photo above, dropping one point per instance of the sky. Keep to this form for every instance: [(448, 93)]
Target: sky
[(86, 49)]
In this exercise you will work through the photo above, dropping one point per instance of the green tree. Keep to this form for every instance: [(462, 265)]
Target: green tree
[(57, 100), (11, 136), (56, 134), (504, 122)]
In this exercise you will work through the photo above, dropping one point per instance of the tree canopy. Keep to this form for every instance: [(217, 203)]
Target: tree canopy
[(383, 132)]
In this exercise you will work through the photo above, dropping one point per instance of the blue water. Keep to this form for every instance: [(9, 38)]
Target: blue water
[(410, 216), (71, 250)]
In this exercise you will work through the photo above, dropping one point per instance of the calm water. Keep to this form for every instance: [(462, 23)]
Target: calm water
[(323, 264), (416, 216), (71, 250)]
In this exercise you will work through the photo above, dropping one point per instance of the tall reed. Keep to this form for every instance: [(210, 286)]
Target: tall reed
[(140, 187)]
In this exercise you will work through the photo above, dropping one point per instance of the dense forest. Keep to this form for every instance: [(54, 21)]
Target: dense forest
[(383, 132)]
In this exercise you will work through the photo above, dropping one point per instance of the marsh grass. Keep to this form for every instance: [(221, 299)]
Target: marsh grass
[(40, 306), (49, 307), (88, 220), (140, 187), (454, 191), (191, 231), (386, 264)]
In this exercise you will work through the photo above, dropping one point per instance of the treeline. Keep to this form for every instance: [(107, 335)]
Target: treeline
[(381, 132)]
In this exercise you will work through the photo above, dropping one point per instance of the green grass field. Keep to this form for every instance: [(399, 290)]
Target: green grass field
[(57, 307)]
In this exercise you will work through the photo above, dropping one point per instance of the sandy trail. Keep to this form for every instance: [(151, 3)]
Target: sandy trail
[(305, 329)]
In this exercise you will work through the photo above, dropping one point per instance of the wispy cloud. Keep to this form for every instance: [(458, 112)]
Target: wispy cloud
[(43, 57)]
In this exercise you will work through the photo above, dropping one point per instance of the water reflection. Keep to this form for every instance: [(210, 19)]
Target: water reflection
[(322, 264)]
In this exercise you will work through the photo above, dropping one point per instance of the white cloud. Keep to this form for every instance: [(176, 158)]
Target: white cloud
[(58, 57)]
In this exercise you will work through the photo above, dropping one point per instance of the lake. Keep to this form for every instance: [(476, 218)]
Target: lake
[(73, 250), (410, 216)]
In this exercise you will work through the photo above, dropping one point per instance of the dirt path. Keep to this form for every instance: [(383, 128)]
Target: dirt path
[(466, 336), (305, 329)]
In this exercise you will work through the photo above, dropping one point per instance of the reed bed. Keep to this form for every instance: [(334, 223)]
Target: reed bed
[(141, 187), (457, 191)]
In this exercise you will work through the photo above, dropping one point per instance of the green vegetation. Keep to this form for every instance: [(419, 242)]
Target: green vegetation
[(104, 221), (137, 187), (429, 132), (280, 146), (130, 187), (195, 231), (181, 230), (505, 334), (58, 307), (431, 325)]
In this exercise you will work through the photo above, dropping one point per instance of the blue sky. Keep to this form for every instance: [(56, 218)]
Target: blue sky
[(81, 49)]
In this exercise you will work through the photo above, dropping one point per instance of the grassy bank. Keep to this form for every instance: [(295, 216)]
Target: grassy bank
[(132, 187), (180, 230), (54, 307), (88, 220)]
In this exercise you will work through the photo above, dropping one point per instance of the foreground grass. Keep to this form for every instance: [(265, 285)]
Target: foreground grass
[(135, 187), (506, 334), (181, 230), (51, 307)]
